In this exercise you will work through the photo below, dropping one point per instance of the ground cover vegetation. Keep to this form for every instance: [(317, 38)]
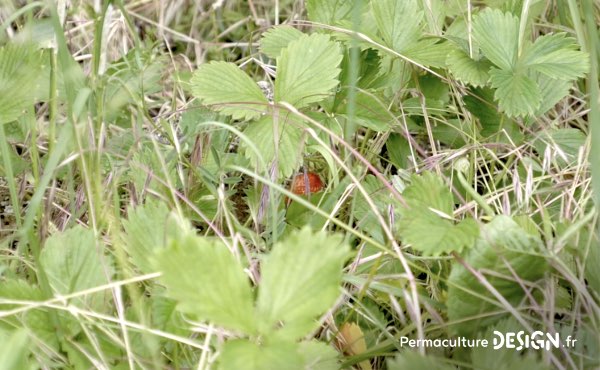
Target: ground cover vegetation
[(298, 184)]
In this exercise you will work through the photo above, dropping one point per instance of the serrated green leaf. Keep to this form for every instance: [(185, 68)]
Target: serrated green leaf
[(278, 38), (556, 56), (480, 102), (300, 281), (503, 247), (365, 218), (552, 91), (399, 22), (370, 111), (243, 354), (467, 70), (413, 360), (226, 88), (38, 321), (307, 70), (73, 262), (318, 355), (289, 144), (429, 52), (497, 34), (145, 233), (429, 190), (206, 280), (433, 235), (165, 315), (394, 74), (516, 93), (20, 65), (329, 11), (399, 150)]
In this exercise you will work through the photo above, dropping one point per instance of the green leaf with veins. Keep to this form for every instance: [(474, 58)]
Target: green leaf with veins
[(145, 232), (243, 354), (277, 38), (307, 70), (330, 11), (556, 56), (73, 262), (432, 234), (206, 280), (467, 70), (229, 90), (287, 149), (517, 93), (429, 190), (19, 72), (552, 91), (399, 22), (300, 280), (508, 251), (426, 222), (497, 34)]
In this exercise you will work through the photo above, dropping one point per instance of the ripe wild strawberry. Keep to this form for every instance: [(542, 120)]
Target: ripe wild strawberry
[(305, 184), (312, 181)]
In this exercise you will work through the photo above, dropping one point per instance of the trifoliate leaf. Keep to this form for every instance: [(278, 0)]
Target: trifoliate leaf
[(516, 93), (399, 22), (556, 56), (307, 70), (243, 354), (506, 249), (145, 233), (73, 262), (467, 70), (206, 280), (497, 34), (413, 360), (278, 38), (300, 281), (229, 90), (19, 73)]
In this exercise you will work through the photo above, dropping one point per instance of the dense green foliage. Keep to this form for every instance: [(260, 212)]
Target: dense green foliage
[(155, 161)]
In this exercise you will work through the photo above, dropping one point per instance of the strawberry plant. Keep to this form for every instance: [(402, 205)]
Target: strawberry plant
[(319, 184)]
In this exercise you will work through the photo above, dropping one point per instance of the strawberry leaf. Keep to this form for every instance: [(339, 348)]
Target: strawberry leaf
[(307, 70), (229, 90)]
